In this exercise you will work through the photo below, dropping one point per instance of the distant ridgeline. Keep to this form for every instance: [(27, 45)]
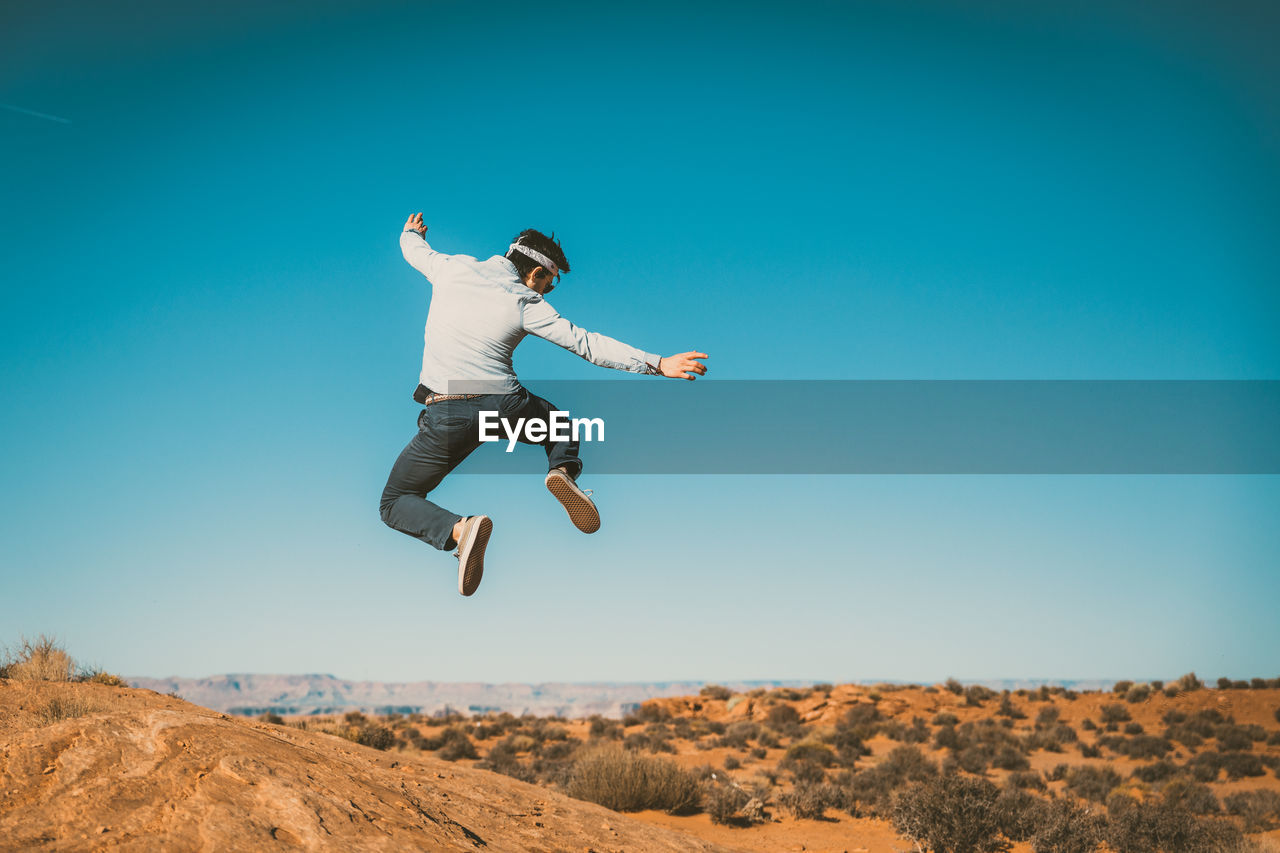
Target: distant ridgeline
[(292, 695)]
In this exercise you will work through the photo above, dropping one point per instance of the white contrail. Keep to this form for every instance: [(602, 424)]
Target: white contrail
[(34, 113)]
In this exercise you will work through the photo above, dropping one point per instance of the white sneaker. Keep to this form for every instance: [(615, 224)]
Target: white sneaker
[(582, 512), (470, 553)]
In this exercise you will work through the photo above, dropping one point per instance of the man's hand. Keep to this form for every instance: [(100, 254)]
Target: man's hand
[(414, 223), (683, 366)]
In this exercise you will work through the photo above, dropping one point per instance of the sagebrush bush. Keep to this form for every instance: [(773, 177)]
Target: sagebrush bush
[(97, 676), (739, 733), (723, 803), (869, 792), (1016, 813), (1009, 758), (625, 781), (1232, 737), (715, 691), (1138, 746), (1156, 772), (810, 800), (1241, 764), (782, 718), (1064, 826), (918, 732), (1047, 716), (1259, 808), (457, 746), (41, 659), (63, 708), (952, 813), (808, 751), (1190, 796), (975, 758), (1092, 783), (1114, 713), (1025, 779), (1134, 827), (1007, 708), (501, 759)]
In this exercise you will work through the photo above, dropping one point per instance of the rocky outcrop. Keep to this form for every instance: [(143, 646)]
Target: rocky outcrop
[(133, 770)]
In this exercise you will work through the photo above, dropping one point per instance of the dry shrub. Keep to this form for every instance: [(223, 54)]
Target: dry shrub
[(107, 678), (64, 708), (810, 800), (1141, 827), (39, 660), (378, 737), (1138, 693), (953, 813), (456, 745), (730, 804), (1063, 826), (1091, 783), (1114, 713), (627, 782), (1260, 808)]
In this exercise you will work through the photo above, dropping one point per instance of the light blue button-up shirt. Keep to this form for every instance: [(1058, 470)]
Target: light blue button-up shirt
[(480, 311)]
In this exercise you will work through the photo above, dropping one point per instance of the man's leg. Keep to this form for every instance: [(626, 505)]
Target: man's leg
[(565, 467), (560, 454), (442, 442)]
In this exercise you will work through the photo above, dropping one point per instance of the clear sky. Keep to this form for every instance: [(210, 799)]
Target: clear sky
[(208, 336)]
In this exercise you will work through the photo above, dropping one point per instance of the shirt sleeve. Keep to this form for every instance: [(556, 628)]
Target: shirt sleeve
[(542, 320), (422, 257)]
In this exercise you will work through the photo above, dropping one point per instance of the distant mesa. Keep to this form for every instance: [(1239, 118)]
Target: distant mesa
[(252, 695)]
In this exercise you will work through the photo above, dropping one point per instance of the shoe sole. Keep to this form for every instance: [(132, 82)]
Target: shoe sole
[(471, 555), (582, 512)]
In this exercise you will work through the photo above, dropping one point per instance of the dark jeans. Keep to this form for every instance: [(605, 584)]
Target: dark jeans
[(447, 433)]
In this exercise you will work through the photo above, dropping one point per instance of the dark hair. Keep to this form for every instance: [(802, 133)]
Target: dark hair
[(539, 242)]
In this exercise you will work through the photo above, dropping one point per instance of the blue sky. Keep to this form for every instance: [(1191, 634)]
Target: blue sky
[(208, 336)]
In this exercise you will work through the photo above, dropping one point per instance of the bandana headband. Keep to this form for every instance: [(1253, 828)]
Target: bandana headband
[(542, 259)]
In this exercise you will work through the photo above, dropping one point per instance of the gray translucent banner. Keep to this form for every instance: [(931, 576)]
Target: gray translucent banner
[(657, 426)]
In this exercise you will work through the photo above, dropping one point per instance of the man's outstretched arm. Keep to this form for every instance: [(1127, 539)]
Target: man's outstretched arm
[(414, 247), (542, 320)]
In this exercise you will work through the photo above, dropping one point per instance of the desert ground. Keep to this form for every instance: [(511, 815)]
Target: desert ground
[(92, 764)]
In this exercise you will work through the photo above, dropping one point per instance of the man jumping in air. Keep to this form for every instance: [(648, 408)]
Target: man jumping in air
[(480, 311)]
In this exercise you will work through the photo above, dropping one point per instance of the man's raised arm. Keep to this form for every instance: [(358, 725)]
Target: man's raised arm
[(414, 247)]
